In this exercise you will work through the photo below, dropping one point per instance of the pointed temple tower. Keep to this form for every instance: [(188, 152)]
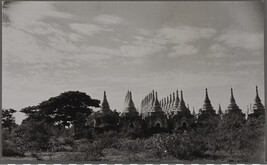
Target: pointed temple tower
[(233, 112), (195, 115), (105, 118), (207, 104), (156, 105), (207, 114), (170, 107), (130, 119), (129, 108), (258, 108), (105, 105), (152, 112), (182, 118), (220, 113), (181, 106), (233, 106)]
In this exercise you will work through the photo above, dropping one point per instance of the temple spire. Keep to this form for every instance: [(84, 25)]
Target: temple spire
[(176, 100), (232, 105), (156, 105), (207, 100), (170, 101), (182, 103), (105, 105), (258, 106), (257, 94), (220, 110), (207, 104), (129, 104), (232, 100), (257, 98)]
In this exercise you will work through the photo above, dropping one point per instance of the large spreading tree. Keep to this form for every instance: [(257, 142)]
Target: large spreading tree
[(61, 110)]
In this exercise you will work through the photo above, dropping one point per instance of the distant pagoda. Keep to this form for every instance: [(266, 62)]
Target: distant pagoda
[(220, 113), (105, 105), (207, 104), (232, 106), (208, 114), (129, 108), (181, 106), (233, 112), (170, 104), (156, 105), (258, 108)]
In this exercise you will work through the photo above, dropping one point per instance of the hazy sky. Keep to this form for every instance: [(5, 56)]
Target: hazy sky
[(53, 47)]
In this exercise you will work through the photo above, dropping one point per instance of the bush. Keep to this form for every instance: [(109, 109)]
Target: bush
[(183, 145), (9, 149), (87, 150)]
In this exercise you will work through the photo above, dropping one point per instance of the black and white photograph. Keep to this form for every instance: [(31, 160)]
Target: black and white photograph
[(133, 81)]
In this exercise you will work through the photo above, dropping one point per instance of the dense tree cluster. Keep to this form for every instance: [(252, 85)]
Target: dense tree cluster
[(68, 123)]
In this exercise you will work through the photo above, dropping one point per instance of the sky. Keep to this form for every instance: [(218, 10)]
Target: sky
[(53, 47)]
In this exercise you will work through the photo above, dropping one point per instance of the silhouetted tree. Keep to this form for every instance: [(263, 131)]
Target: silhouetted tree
[(61, 110), (8, 120), (34, 135)]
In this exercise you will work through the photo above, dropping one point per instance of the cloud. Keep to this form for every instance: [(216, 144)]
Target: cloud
[(138, 50), (179, 40), (88, 29), (218, 51), (143, 32), (185, 34), (75, 37), (24, 15), (247, 63), (109, 19), (241, 39), (183, 50)]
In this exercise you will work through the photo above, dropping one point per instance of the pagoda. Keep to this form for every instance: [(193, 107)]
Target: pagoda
[(258, 108), (153, 114), (129, 108), (105, 118), (105, 105), (182, 118), (220, 113), (130, 119), (232, 107), (207, 114), (233, 112)]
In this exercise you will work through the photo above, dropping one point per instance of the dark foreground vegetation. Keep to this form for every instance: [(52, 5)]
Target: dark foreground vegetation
[(56, 130)]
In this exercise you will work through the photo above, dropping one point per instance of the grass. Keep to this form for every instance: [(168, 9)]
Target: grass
[(110, 154)]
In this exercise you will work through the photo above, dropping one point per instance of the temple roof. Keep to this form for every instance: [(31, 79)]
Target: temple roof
[(257, 101), (156, 105), (181, 105), (232, 105), (105, 105), (128, 103), (207, 104), (176, 103), (220, 110)]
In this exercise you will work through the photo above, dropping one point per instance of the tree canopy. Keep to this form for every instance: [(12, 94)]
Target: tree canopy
[(8, 120), (62, 109)]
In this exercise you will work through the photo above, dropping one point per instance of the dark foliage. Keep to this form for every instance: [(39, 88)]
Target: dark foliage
[(34, 135), (62, 109), (8, 120)]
